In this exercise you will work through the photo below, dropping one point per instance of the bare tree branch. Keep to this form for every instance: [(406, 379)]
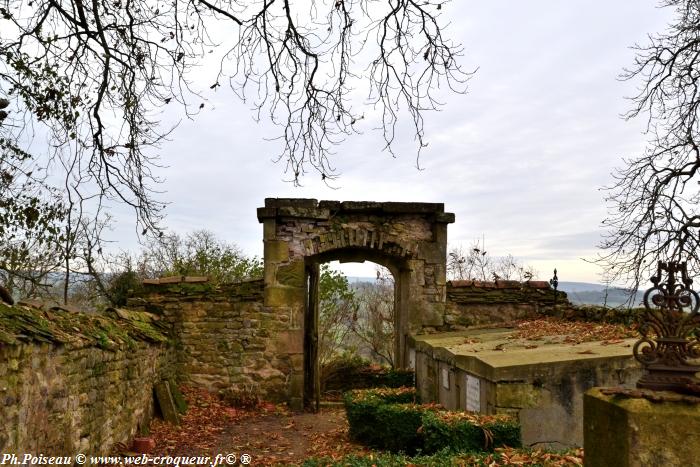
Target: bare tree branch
[(653, 212)]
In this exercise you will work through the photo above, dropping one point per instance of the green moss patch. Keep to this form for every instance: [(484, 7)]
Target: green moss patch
[(114, 329)]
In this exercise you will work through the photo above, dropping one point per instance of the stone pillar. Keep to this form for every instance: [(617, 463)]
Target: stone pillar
[(285, 293), (636, 431)]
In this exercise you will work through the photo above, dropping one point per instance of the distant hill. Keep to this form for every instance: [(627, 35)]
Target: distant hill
[(357, 279), (579, 293), (585, 293)]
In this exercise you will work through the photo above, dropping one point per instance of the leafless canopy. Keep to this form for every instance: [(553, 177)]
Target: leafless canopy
[(94, 74), (654, 201)]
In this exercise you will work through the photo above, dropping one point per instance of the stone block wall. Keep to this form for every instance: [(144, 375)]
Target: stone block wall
[(478, 303), (228, 337), (224, 336), (74, 383)]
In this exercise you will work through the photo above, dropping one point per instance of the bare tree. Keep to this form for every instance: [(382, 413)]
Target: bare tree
[(337, 303), (374, 317), (475, 263), (653, 203), (90, 77)]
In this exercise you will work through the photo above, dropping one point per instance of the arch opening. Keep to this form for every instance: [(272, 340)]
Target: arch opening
[(299, 235), (366, 323)]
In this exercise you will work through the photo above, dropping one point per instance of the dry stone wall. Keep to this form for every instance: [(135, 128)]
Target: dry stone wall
[(478, 303), (75, 383), (224, 336), (227, 338)]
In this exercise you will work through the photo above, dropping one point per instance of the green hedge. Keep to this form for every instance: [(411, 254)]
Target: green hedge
[(361, 407), (346, 373), (391, 419), (397, 427), (463, 431)]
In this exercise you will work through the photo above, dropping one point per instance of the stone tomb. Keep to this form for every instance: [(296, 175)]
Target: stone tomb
[(543, 381)]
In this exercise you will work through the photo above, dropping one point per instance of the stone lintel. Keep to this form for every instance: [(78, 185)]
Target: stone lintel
[(413, 208), (307, 207), (625, 431), (445, 217), (266, 213), (297, 212), (291, 202)]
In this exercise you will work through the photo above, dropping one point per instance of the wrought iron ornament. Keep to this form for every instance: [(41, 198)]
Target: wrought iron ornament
[(669, 327), (554, 282)]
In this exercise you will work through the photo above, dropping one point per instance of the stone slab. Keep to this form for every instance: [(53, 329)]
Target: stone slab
[(491, 354), (166, 403), (541, 381)]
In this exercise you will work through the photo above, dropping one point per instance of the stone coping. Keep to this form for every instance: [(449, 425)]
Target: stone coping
[(176, 280), (112, 329), (499, 284), (325, 209), (653, 396), (490, 354)]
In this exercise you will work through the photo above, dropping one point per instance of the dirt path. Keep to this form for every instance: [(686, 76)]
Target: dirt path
[(270, 434), (289, 438)]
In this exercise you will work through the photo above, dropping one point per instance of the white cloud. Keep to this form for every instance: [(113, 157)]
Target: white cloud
[(520, 159)]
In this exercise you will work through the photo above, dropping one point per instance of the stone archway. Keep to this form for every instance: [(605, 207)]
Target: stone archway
[(299, 234)]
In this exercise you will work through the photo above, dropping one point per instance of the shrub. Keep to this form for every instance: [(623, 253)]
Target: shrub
[(398, 427), (391, 419), (463, 431), (361, 408), (348, 372)]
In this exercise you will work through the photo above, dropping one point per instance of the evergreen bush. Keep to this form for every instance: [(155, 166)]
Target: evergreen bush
[(392, 419)]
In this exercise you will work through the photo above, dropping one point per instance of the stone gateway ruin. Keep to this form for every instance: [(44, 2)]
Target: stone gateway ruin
[(261, 336), (409, 239)]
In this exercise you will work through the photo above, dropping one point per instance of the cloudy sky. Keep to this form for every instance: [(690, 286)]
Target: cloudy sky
[(520, 159)]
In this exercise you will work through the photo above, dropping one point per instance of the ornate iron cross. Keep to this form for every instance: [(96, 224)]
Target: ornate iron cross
[(669, 327)]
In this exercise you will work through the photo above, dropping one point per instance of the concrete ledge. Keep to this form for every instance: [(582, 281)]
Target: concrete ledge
[(634, 431)]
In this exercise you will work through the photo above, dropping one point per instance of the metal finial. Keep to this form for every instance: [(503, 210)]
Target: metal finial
[(668, 332)]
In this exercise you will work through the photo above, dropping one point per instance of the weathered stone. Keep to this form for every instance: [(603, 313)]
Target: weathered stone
[(517, 395), (626, 432), (292, 274), (283, 296), (276, 251), (166, 402), (290, 342), (544, 383)]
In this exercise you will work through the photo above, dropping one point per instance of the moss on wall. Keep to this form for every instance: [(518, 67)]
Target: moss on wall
[(23, 324), (75, 382)]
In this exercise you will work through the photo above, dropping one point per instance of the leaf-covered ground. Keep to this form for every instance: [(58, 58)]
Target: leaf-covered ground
[(271, 435), (573, 332)]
